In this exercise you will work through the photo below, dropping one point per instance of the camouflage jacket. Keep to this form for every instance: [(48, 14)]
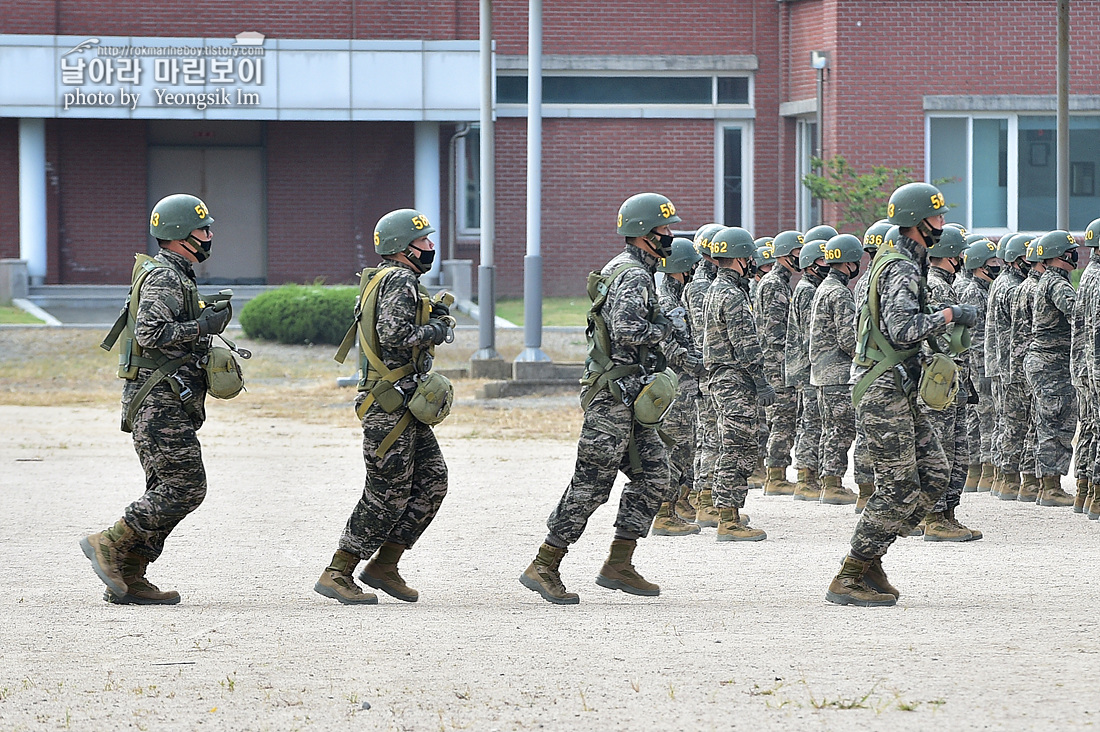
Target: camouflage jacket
[(163, 323), (772, 307), (694, 297), (1048, 352), (832, 331), (975, 291), (731, 349), (796, 346), (941, 295), (687, 358), (903, 318), (998, 321), (1023, 301), (395, 317), (1084, 314)]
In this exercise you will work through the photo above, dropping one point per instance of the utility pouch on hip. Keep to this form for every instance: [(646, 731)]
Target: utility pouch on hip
[(655, 399), (224, 379), (939, 382), (388, 395), (431, 402)]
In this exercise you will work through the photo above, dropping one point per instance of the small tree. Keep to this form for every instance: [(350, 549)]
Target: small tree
[(861, 198)]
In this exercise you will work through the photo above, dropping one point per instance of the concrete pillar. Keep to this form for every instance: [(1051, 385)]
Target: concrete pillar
[(426, 174), (32, 197)]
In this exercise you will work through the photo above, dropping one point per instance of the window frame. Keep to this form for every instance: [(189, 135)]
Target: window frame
[(747, 168)]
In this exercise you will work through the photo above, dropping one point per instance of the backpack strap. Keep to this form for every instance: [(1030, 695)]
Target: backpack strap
[(879, 350), (602, 371)]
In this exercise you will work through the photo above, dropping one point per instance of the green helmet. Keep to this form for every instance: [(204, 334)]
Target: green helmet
[(176, 216), (1030, 253), (811, 252), (786, 242), (1092, 234), (765, 253), (956, 225), (875, 235), (682, 259), (1002, 243), (951, 243), (978, 253), (644, 212), (733, 242), (1013, 249), (703, 236), (843, 248), (890, 239), (971, 238), (396, 230), (913, 202), (822, 232), (1053, 244)]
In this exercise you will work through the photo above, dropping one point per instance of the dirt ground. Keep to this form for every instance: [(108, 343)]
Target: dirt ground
[(996, 634)]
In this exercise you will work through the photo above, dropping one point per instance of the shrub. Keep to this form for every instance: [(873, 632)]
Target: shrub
[(300, 314)]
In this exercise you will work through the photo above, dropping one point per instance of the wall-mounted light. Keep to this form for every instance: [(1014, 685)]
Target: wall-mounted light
[(819, 59)]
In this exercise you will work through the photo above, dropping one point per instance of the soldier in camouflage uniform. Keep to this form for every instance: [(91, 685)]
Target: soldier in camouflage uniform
[(706, 443), (1091, 354), (832, 345), (763, 262), (1019, 442), (980, 259), (163, 400), (406, 476), (731, 354), (680, 424), (772, 309), (1048, 364), (1084, 315), (611, 438), (998, 324), (796, 367), (909, 465), (945, 260)]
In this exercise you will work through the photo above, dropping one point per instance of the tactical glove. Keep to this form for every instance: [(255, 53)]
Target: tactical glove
[(965, 314), (439, 309), (213, 321), (437, 330), (765, 394)]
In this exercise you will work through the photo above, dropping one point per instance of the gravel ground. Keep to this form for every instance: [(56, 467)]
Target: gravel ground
[(996, 634)]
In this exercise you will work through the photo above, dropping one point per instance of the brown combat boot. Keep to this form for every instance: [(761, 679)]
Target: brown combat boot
[(685, 505), (1094, 507), (875, 578), (542, 576), (937, 527), (1019, 487), (850, 588), (706, 515), (808, 488), (336, 581), (618, 573), (866, 490), (667, 523), (139, 590), (732, 528), (833, 493), (759, 476), (1084, 495), (776, 483), (1051, 493), (998, 482), (974, 533), (106, 551), (381, 573), (985, 482), (973, 475)]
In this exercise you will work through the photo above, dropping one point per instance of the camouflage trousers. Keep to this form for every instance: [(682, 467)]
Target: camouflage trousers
[(1055, 409), (981, 422), (167, 444), (950, 425), (997, 442), (738, 446), (706, 441), (782, 428), (602, 451), (909, 466), (403, 489), (679, 426), (838, 428), (1084, 457), (1018, 442), (863, 472), (807, 443)]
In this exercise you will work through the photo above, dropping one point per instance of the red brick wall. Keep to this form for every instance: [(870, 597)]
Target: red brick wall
[(9, 188), (327, 185), (100, 169)]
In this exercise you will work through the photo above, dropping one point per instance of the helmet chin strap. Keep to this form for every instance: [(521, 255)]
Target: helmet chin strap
[(198, 247)]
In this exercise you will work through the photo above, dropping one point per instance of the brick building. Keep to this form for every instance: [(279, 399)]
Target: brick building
[(358, 107)]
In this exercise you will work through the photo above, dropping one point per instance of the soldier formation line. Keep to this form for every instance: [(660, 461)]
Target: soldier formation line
[(958, 364)]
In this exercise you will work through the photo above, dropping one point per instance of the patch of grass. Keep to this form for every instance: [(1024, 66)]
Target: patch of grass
[(555, 310), (9, 314)]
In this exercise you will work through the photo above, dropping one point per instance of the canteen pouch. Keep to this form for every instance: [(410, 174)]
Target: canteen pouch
[(655, 399), (939, 382), (432, 400), (224, 379)]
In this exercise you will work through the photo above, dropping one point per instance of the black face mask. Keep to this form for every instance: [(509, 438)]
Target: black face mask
[(793, 261), (992, 271), (856, 271), (201, 249), (821, 270), (934, 234), (423, 259), (1071, 257), (662, 243)]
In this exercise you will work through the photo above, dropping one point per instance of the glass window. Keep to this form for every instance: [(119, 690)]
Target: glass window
[(1038, 182), (989, 169), (627, 90), (808, 206), (468, 182), (733, 90), (732, 177), (947, 164)]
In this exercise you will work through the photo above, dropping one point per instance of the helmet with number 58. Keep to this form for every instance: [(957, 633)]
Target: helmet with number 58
[(396, 230)]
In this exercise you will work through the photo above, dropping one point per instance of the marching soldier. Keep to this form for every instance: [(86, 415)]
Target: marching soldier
[(980, 259)]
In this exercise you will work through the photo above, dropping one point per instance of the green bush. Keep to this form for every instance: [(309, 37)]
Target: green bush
[(300, 314)]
